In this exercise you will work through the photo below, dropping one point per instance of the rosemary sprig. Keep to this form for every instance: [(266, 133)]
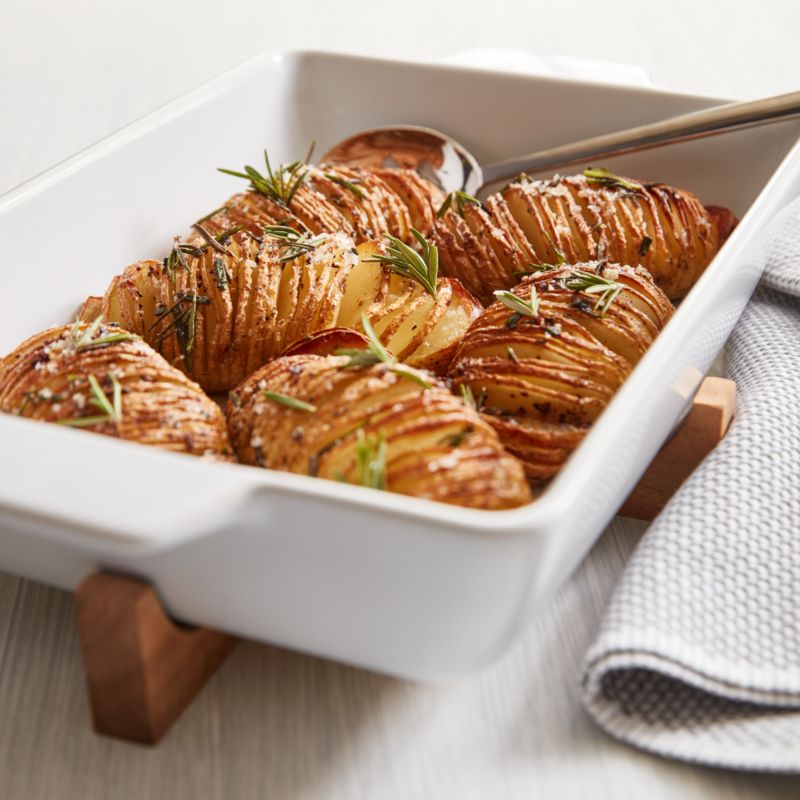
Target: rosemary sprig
[(350, 185), (645, 246), (216, 242), (91, 337), (371, 460), (221, 274), (458, 200), (404, 260), (591, 283), (520, 307), (295, 243), (469, 398), (280, 184), (182, 316), (512, 354), (290, 402), (177, 257), (224, 237), (210, 214), (606, 178), (111, 409), (376, 353), (559, 254)]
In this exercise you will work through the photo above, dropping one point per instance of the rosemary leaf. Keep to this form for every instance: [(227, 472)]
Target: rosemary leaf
[(210, 214), (376, 353), (350, 185), (290, 402), (591, 283), (295, 243), (458, 200), (111, 409), (211, 240), (404, 260), (279, 185), (520, 307), (469, 398), (606, 178), (371, 460)]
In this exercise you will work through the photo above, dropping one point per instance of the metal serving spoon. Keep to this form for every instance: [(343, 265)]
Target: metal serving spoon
[(446, 162)]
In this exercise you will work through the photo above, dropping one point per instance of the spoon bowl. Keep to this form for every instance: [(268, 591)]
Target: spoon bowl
[(436, 156)]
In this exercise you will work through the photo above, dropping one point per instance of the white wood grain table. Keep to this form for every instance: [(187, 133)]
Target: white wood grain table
[(275, 724)]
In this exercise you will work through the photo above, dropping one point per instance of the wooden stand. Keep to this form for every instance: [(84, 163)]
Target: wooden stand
[(143, 669), (705, 425)]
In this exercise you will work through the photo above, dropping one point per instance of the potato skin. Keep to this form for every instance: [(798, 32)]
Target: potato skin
[(545, 380), (247, 306), (437, 447), (664, 229), (47, 379), (377, 202)]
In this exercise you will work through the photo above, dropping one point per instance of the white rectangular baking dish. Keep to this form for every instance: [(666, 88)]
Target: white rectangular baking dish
[(392, 583)]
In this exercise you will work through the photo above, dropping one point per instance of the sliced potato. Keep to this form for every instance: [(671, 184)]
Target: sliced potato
[(575, 219), (101, 378), (542, 379), (314, 415), (224, 314)]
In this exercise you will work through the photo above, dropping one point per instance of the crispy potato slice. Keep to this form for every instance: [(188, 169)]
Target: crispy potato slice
[(100, 378), (436, 446), (542, 379)]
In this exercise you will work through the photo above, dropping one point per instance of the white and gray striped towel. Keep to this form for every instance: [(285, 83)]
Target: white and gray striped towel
[(698, 656)]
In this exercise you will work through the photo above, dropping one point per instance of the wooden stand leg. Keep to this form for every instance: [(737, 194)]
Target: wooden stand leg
[(705, 425), (142, 668)]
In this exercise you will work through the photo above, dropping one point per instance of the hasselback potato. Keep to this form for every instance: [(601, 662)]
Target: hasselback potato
[(372, 425), (577, 219), (220, 310), (102, 378), (362, 204), (545, 360)]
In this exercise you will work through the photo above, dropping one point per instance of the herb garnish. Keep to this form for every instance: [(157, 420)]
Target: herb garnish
[(645, 246), (280, 184), (216, 241), (221, 274), (296, 243), (347, 184), (606, 178), (457, 439), (458, 199), (469, 398), (376, 353), (290, 402), (177, 257), (520, 307), (590, 283), (512, 354), (371, 460), (79, 340), (559, 254), (111, 409), (212, 214), (404, 260), (184, 319)]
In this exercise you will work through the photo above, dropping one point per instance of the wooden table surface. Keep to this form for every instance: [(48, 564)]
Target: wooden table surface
[(275, 724)]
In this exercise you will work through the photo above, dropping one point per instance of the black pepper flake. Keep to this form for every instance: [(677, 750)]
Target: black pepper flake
[(645, 246)]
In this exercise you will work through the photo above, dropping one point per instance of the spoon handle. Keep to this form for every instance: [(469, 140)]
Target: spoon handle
[(706, 122)]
